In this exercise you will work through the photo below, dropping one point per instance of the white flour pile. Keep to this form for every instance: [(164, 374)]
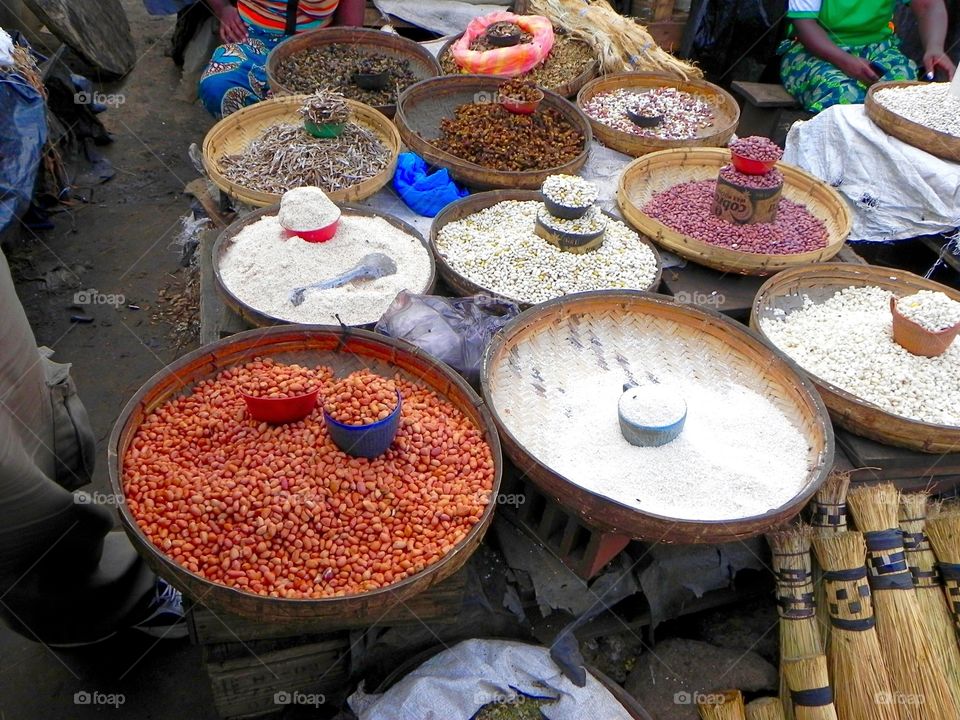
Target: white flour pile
[(263, 264), (739, 455), (652, 406), (307, 208)]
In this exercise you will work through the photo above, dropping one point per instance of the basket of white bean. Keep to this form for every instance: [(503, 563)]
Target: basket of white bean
[(921, 114), (836, 321)]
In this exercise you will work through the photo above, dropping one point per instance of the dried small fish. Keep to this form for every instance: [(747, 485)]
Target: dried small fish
[(285, 156), (325, 106)]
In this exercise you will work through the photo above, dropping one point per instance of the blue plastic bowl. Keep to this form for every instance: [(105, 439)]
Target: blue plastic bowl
[(367, 441)]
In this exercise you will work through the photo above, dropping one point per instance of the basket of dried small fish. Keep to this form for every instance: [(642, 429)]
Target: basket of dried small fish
[(261, 151)]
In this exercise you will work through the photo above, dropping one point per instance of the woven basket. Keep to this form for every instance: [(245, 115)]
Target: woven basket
[(569, 89), (459, 209), (236, 131), (257, 318), (785, 292), (423, 106), (932, 141), (726, 112), (650, 174), (344, 351), (694, 341), (422, 63)]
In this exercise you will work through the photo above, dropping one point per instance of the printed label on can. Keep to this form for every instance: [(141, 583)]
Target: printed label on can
[(745, 206)]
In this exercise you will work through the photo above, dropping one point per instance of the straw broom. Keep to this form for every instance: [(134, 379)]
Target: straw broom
[(623, 44), (918, 678), (726, 705), (828, 515), (799, 633), (856, 664), (938, 621), (768, 708), (944, 533), (810, 688)]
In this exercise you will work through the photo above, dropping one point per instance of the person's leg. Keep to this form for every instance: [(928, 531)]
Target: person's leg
[(236, 75), (817, 84), (887, 53)]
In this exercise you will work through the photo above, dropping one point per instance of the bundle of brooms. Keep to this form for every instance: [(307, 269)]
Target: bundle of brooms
[(799, 631), (726, 705), (920, 686), (828, 515), (623, 44), (768, 708), (810, 689), (857, 668), (944, 533), (938, 620)]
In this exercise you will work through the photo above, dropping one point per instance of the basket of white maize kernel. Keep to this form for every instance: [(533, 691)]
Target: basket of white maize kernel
[(487, 243), (835, 321), (925, 115)]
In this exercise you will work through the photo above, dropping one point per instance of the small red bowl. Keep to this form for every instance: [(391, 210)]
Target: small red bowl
[(522, 107), (278, 411), (319, 235), (749, 166)]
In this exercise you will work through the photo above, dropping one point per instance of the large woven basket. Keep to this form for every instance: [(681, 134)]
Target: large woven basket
[(422, 63), (650, 174), (258, 318), (236, 131), (568, 89), (725, 108), (594, 328), (934, 142), (344, 351), (785, 292), (464, 286), (423, 106)]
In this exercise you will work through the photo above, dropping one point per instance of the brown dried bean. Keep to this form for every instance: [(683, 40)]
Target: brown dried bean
[(757, 147)]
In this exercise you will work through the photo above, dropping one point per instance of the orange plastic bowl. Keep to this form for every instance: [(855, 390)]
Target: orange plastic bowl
[(749, 166), (522, 107), (278, 411), (319, 235)]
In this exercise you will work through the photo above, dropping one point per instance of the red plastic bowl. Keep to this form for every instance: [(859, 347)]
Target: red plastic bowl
[(749, 166), (317, 236), (521, 107), (281, 410)]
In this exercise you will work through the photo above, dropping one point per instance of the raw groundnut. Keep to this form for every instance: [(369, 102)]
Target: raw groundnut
[(268, 379), (686, 208), (281, 511), (361, 398), (757, 147)]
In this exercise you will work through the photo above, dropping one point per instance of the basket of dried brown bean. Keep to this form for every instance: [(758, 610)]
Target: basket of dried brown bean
[(693, 112), (668, 196), (457, 122), (274, 522)]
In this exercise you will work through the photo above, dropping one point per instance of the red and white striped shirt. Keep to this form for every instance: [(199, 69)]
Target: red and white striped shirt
[(271, 15)]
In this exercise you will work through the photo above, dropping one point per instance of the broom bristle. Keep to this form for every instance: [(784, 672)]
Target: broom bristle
[(944, 533), (768, 708), (828, 515), (726, 705), (938, 621), (916, 674), (809, 678), (857, 667)]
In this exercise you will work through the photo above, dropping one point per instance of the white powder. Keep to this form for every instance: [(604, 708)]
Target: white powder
[(263, 264), (739, 454), (652, 406), (307, 208)]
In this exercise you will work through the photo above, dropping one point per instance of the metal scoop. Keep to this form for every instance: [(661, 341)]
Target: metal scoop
[(370, 267)]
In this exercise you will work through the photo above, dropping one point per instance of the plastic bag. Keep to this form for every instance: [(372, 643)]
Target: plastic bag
[(453, 330), (508, 61), (23, 132)]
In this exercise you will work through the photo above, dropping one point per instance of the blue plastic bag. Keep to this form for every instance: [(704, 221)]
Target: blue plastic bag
[(424, 192), (166, 7), (23, 132)]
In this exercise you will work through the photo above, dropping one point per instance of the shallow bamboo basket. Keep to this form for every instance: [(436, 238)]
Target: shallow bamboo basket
[(705, 339), (345, 350), (459, 209), (717, 134), (422, 64), (653, 173), (569, 89), (785, 292), (236, 131), (258, 318), (937, 143), (424, 105)]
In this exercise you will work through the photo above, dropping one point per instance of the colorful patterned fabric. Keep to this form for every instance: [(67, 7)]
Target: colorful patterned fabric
[(818, 84), (271, 15), (509, 61), (848, 22), (236, 75)]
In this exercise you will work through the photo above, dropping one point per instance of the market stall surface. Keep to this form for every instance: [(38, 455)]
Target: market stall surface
[(121, 243)]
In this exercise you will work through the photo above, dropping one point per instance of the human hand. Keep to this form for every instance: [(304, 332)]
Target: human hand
[(859, 69), (232, 27), (938, 60)]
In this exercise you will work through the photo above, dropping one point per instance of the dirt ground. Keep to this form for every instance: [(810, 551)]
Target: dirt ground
[(119, 243)]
